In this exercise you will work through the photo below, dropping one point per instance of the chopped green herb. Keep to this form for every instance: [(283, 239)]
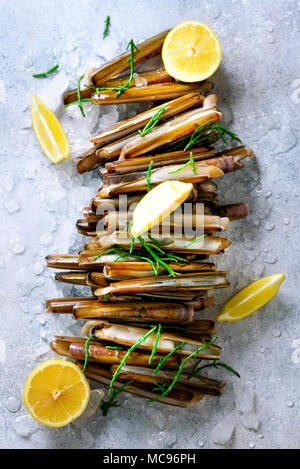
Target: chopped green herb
[(123, 361), (105, 298), (192, 355), (162, 360), (194, 241), (86, 347), (106, 405), (152, 122), (132, 245), (190, 162), (156, 343), (115, 347), (45, 74), (149, 177), (196, 368), (107, 25)]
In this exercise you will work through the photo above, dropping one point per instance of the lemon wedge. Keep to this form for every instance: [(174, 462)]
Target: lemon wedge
[(48, 131), (158, 204), (191, 52), (250, 299), (56, 393)]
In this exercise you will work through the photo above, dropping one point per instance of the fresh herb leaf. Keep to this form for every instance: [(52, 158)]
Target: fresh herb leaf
[(123, 361), (152, 122), (156, 343), (196, 369), (45, 74), (106, 405), (194, 241), (162, 360), (192, 355), (149, 177), (86, 347), (190, 162), (196, 134), (107, 25)]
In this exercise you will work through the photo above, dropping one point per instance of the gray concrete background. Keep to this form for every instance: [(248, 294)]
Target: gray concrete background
[(258, 85)]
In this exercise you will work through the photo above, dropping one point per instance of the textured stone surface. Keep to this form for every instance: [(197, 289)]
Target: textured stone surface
[(258, 85)]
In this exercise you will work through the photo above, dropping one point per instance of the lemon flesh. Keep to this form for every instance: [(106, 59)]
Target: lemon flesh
[(191, 52), (252, 298), (159, 203), (56, 393), (48, 131)]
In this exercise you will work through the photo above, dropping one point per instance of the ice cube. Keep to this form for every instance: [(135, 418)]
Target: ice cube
[(222, 433)]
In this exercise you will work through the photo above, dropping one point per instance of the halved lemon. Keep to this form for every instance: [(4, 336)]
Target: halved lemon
[(48, 131), (56, 393), (191, 51), (250, 299), (158, 204)]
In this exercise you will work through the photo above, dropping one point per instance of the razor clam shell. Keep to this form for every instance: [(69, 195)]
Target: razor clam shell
[(172, 130), (146, 375), (198, 281), (166, 173), (143, 311), (65, 305), (179, 396), (73, 347), (156, 92), (128, 335), (131, 125), (206, 245)]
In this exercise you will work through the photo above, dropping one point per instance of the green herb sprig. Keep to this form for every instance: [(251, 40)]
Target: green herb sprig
[(106, 405), (152, 122), (79, 100), (107, 25), (149, 176), (199, 135), (194, 241), (192, 355), (123, 361), (160, 387), (45, 74), (158, 259), (198, 367), (120, 89), (86, 348), (190, 162), (162, 360), (156, 343)]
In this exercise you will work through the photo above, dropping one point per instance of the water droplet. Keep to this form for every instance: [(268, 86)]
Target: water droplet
[(251, 445), (222, 433), (286, 221), (201, 443), (268, 195), (269, 226), (260, 435), (18, 248), (25, 426), (271, 259), (276, 332), (13, 404), (270, 39), (290, 403), (213, 11), (12, 206), (38, 267)]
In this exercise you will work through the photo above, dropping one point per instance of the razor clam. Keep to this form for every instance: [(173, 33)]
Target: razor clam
[(205, 245), (65, 305), (179, 396), (124, 270), (176, 222), (92, 279), (234, 211), (63, 261), (166, 173), (146, 375), (131, 125), (149, 77), (135, 311), (227, 161), (167, 342), (157, 92), (141, 163), (146, 50), (172, 130), (195, 281), (73, 347)]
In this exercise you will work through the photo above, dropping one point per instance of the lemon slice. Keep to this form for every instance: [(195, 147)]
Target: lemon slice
[(191, 51), (250, 299), (48, 131), (158, 204), (56, 393)]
